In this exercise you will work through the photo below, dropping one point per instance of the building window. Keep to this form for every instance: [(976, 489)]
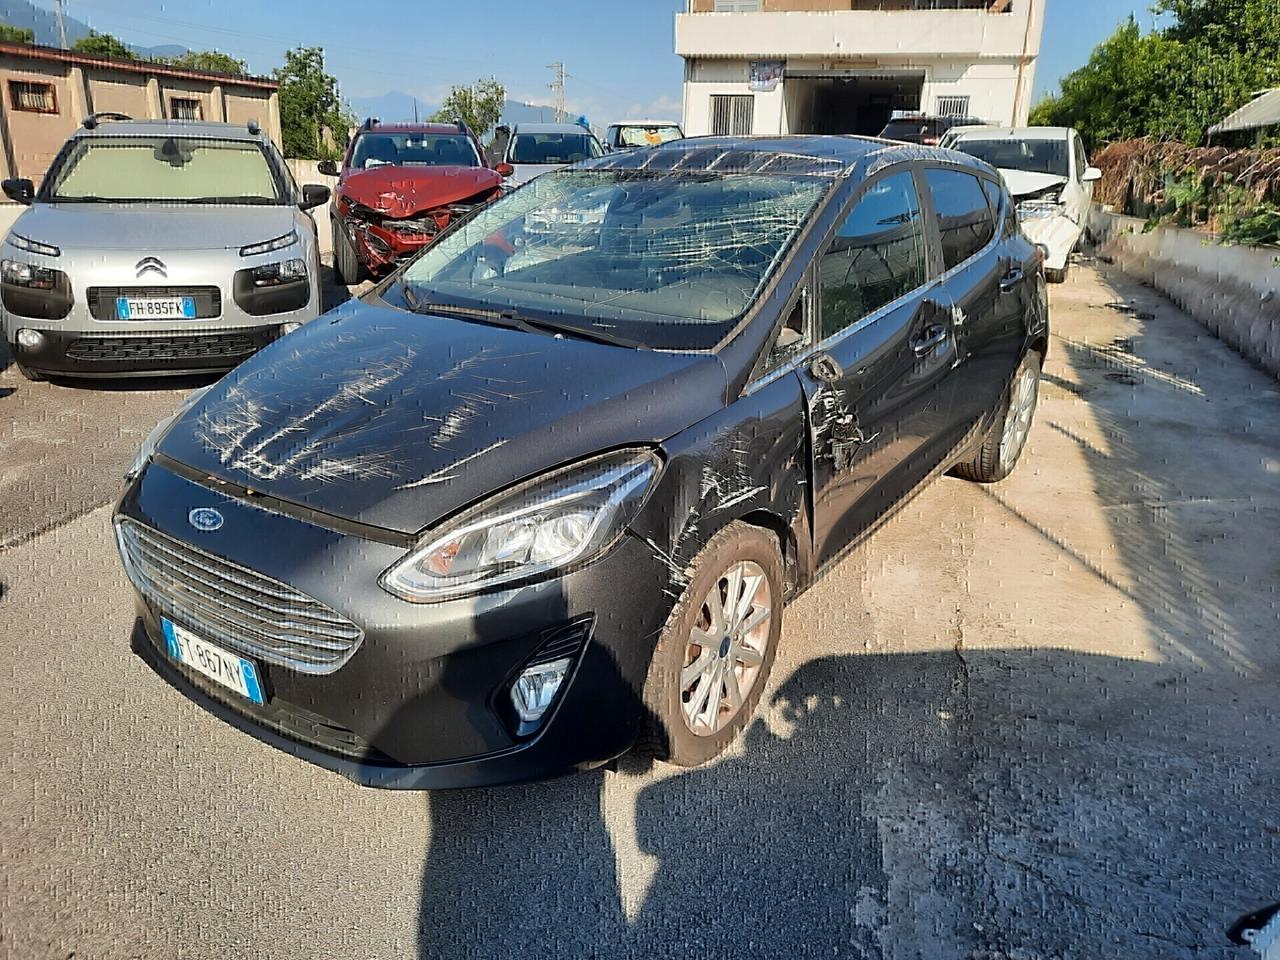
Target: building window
[(732, 115), (32, 97), (183, 108), (953, 106)]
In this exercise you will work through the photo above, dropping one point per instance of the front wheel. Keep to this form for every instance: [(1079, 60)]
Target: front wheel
[(346, 264), (714, 655), (1003, 445)]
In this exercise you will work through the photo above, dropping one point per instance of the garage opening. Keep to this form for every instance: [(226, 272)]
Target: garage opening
[(848, 103)]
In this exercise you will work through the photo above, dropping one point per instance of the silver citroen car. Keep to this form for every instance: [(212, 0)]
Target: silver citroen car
[(157, 247)]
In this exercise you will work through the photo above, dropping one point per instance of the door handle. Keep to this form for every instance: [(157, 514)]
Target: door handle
[(930, 337), (1011, 279)]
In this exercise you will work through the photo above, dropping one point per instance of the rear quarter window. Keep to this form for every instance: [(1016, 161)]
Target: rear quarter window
[(965, 221)]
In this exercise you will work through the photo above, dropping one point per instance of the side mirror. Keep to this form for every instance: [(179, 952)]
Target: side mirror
[(327, 167), (313, 194), (1091, 175), (20, 189), (504, 169)]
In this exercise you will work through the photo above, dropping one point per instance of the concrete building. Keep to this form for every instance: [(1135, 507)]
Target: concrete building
[(842, 66), (46, 92)]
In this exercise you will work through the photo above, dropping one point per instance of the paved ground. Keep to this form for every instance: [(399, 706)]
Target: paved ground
[(1035, 720)]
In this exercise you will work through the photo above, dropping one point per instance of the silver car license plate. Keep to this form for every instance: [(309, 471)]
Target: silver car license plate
[(156, 308)]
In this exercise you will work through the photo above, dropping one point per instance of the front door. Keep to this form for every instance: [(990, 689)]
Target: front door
[(876, 389)]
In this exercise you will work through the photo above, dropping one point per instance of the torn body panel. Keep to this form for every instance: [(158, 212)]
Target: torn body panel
[(390, 213)]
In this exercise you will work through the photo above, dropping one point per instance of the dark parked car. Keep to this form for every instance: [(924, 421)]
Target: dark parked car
[(542, 494), (922, 129)]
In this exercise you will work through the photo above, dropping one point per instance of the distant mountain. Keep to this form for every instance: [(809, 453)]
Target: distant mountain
[(398, 105), (26, 13)]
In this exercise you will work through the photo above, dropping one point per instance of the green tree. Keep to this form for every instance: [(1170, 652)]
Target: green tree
[(309, 102), (12, 34), (210, 60), (104, 44), (479, 106), (1174, 82)]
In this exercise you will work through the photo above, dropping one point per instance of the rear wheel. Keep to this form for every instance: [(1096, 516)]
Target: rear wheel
[(1003, 445), (713, 658)]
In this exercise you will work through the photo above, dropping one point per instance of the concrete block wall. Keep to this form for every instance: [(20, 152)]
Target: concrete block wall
[(1233, 290)]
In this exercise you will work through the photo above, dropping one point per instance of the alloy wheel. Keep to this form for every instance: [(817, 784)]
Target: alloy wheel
[(726, 648), (1017, 421)]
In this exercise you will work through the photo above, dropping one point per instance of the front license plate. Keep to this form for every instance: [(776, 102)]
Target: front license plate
[(229, 669), (156, 308)]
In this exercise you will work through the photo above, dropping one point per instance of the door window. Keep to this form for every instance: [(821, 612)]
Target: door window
[(1082, 162), (877, 255), (965, 222)]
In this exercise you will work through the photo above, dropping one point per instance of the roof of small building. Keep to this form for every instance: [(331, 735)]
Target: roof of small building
[(35, 51), (1262, 111)]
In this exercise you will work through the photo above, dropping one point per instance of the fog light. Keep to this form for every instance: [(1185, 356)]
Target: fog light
[(533, 692), (30, 339), (289, 327)]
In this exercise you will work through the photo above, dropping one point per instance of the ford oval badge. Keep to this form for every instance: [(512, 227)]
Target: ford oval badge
[(206, 519)]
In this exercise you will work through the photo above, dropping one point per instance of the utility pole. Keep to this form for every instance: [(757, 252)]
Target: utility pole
[(557, 87), (62, 26)]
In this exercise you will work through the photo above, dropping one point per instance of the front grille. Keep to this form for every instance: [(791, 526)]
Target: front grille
[(210, 346), (102, 300), (229, 604)]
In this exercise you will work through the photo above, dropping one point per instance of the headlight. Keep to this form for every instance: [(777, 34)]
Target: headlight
[(550, 523), (34, 246), (276, 243), (1040, 209), (274, 274), (19, 274), (157, 434)]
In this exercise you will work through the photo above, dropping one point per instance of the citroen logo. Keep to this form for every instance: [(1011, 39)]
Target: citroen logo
[(205, 519), (151, 265)]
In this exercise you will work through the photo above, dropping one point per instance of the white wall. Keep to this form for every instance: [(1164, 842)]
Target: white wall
[(304, 171)]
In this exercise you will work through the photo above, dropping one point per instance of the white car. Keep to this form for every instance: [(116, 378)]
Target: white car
[(533, 149), (1049, 176)]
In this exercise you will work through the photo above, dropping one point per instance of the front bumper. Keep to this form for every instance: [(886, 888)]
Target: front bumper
[(113, 353), (1058, 235), (420, 704)]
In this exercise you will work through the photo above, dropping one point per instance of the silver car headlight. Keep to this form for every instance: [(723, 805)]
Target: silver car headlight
[(556, 521), (34, 246), (157, 433)]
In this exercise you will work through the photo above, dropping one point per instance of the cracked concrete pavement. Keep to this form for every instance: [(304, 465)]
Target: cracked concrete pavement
[(1031, 720)]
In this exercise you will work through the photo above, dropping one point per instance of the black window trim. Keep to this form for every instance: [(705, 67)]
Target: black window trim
[(996, 234), (762, 375)]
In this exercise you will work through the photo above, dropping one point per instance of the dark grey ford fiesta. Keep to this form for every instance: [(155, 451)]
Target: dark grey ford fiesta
[(542, 494)]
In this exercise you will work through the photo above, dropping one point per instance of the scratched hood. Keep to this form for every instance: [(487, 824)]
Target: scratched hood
[(397, 419), (404, 191)]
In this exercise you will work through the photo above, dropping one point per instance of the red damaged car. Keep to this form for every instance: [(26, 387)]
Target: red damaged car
[(400, 185)]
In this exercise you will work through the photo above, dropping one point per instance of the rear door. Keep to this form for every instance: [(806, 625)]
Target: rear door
[(876, 388), (978, 283)]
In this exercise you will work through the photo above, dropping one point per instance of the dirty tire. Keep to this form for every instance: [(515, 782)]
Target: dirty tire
[(345, 262), (1057, 276), (668, 734), (988, 465), (28, 374)]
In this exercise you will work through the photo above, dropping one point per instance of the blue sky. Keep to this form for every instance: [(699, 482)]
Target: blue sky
[(619, 63)]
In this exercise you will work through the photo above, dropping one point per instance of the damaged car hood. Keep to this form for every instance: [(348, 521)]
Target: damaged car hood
[(397, 419), (404, 191), (1023, 184)]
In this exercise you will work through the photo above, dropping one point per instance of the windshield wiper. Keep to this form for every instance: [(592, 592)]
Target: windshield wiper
[(511, 320)]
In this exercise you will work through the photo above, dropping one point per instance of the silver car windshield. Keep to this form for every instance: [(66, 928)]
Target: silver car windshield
[(661, 257), (160, 169), (553, 148), (1032, 156)]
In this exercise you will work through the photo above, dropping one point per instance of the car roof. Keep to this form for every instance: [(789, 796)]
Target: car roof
[(168, 128), (1016, 133), (802, 154), (548, 128), (407, 126)]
